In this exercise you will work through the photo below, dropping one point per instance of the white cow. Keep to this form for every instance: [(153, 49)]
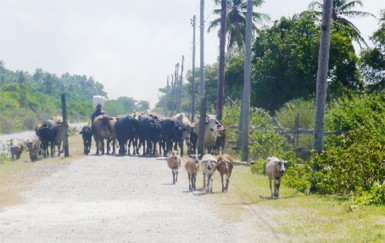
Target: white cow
[(211, 132)]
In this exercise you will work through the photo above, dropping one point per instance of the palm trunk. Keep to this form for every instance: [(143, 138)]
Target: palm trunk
[(247, 81), (323, 65), (222, 63)]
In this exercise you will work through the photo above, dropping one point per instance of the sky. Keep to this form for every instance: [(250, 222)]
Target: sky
[(129, 46)]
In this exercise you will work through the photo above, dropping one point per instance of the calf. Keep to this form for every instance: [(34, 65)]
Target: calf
[(225, 167), (86, 133), (208, 166), (275, 168), (33, 148), (192, 168), (174, 161), (16, 148)]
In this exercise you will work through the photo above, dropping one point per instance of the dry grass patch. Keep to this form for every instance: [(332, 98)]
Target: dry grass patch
[(20, 175)]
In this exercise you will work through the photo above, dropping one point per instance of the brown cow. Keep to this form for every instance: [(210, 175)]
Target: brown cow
[(225, 167), (192, 168)]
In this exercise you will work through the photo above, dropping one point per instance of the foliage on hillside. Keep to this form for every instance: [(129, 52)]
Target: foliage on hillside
[(27, 99)]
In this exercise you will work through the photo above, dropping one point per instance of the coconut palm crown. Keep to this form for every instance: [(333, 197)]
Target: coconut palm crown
[(236, 20), (343, 9)]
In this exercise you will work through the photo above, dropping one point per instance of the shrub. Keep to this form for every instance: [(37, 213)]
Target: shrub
[(259, 167), (265, 143), (352, 168)]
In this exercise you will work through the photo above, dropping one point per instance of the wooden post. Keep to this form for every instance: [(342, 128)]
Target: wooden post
[(65, 125), (296, 127)]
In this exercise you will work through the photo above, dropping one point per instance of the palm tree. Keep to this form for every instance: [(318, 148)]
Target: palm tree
[(343, 9), (236, 20), (322, 74)]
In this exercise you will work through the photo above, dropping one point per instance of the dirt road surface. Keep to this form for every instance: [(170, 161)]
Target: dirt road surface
[(118, 199)]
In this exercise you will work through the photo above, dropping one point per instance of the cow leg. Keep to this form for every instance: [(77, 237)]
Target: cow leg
[(173, 176), (210, 183), (193, 181), (271, 189), (223, 185), (227, 183), (108, 142), (276, 188), (204, 181), (189, 182)]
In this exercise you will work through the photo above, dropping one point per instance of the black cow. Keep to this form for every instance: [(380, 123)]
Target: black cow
[(47, 133), (149, 134), (126, 131), (103, 129), (86, 133), (172, 135)]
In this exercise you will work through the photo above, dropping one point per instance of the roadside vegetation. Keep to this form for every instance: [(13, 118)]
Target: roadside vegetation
[(28, 99)]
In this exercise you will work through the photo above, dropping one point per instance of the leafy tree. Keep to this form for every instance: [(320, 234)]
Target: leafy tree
[(373, 59), (236, 20), (342, 10), (285, 62), (120, 106), (234, 76)]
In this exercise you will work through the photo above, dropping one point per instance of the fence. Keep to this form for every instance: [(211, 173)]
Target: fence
[(291, 134)]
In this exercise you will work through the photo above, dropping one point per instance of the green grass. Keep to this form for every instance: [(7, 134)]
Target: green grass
[(303, 218)]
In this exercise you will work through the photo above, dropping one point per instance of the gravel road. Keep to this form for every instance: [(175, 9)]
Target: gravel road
[(114, 199)]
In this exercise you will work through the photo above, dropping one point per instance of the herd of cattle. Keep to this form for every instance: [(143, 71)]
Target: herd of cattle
[(155, 136), (135, 134), (150, 135)]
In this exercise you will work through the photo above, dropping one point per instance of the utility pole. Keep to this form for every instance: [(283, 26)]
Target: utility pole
[(201, 137), (322, 75), (181, 85), (247, 81), (65, 126), (176, 90), (222, 61), (193, 73)]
